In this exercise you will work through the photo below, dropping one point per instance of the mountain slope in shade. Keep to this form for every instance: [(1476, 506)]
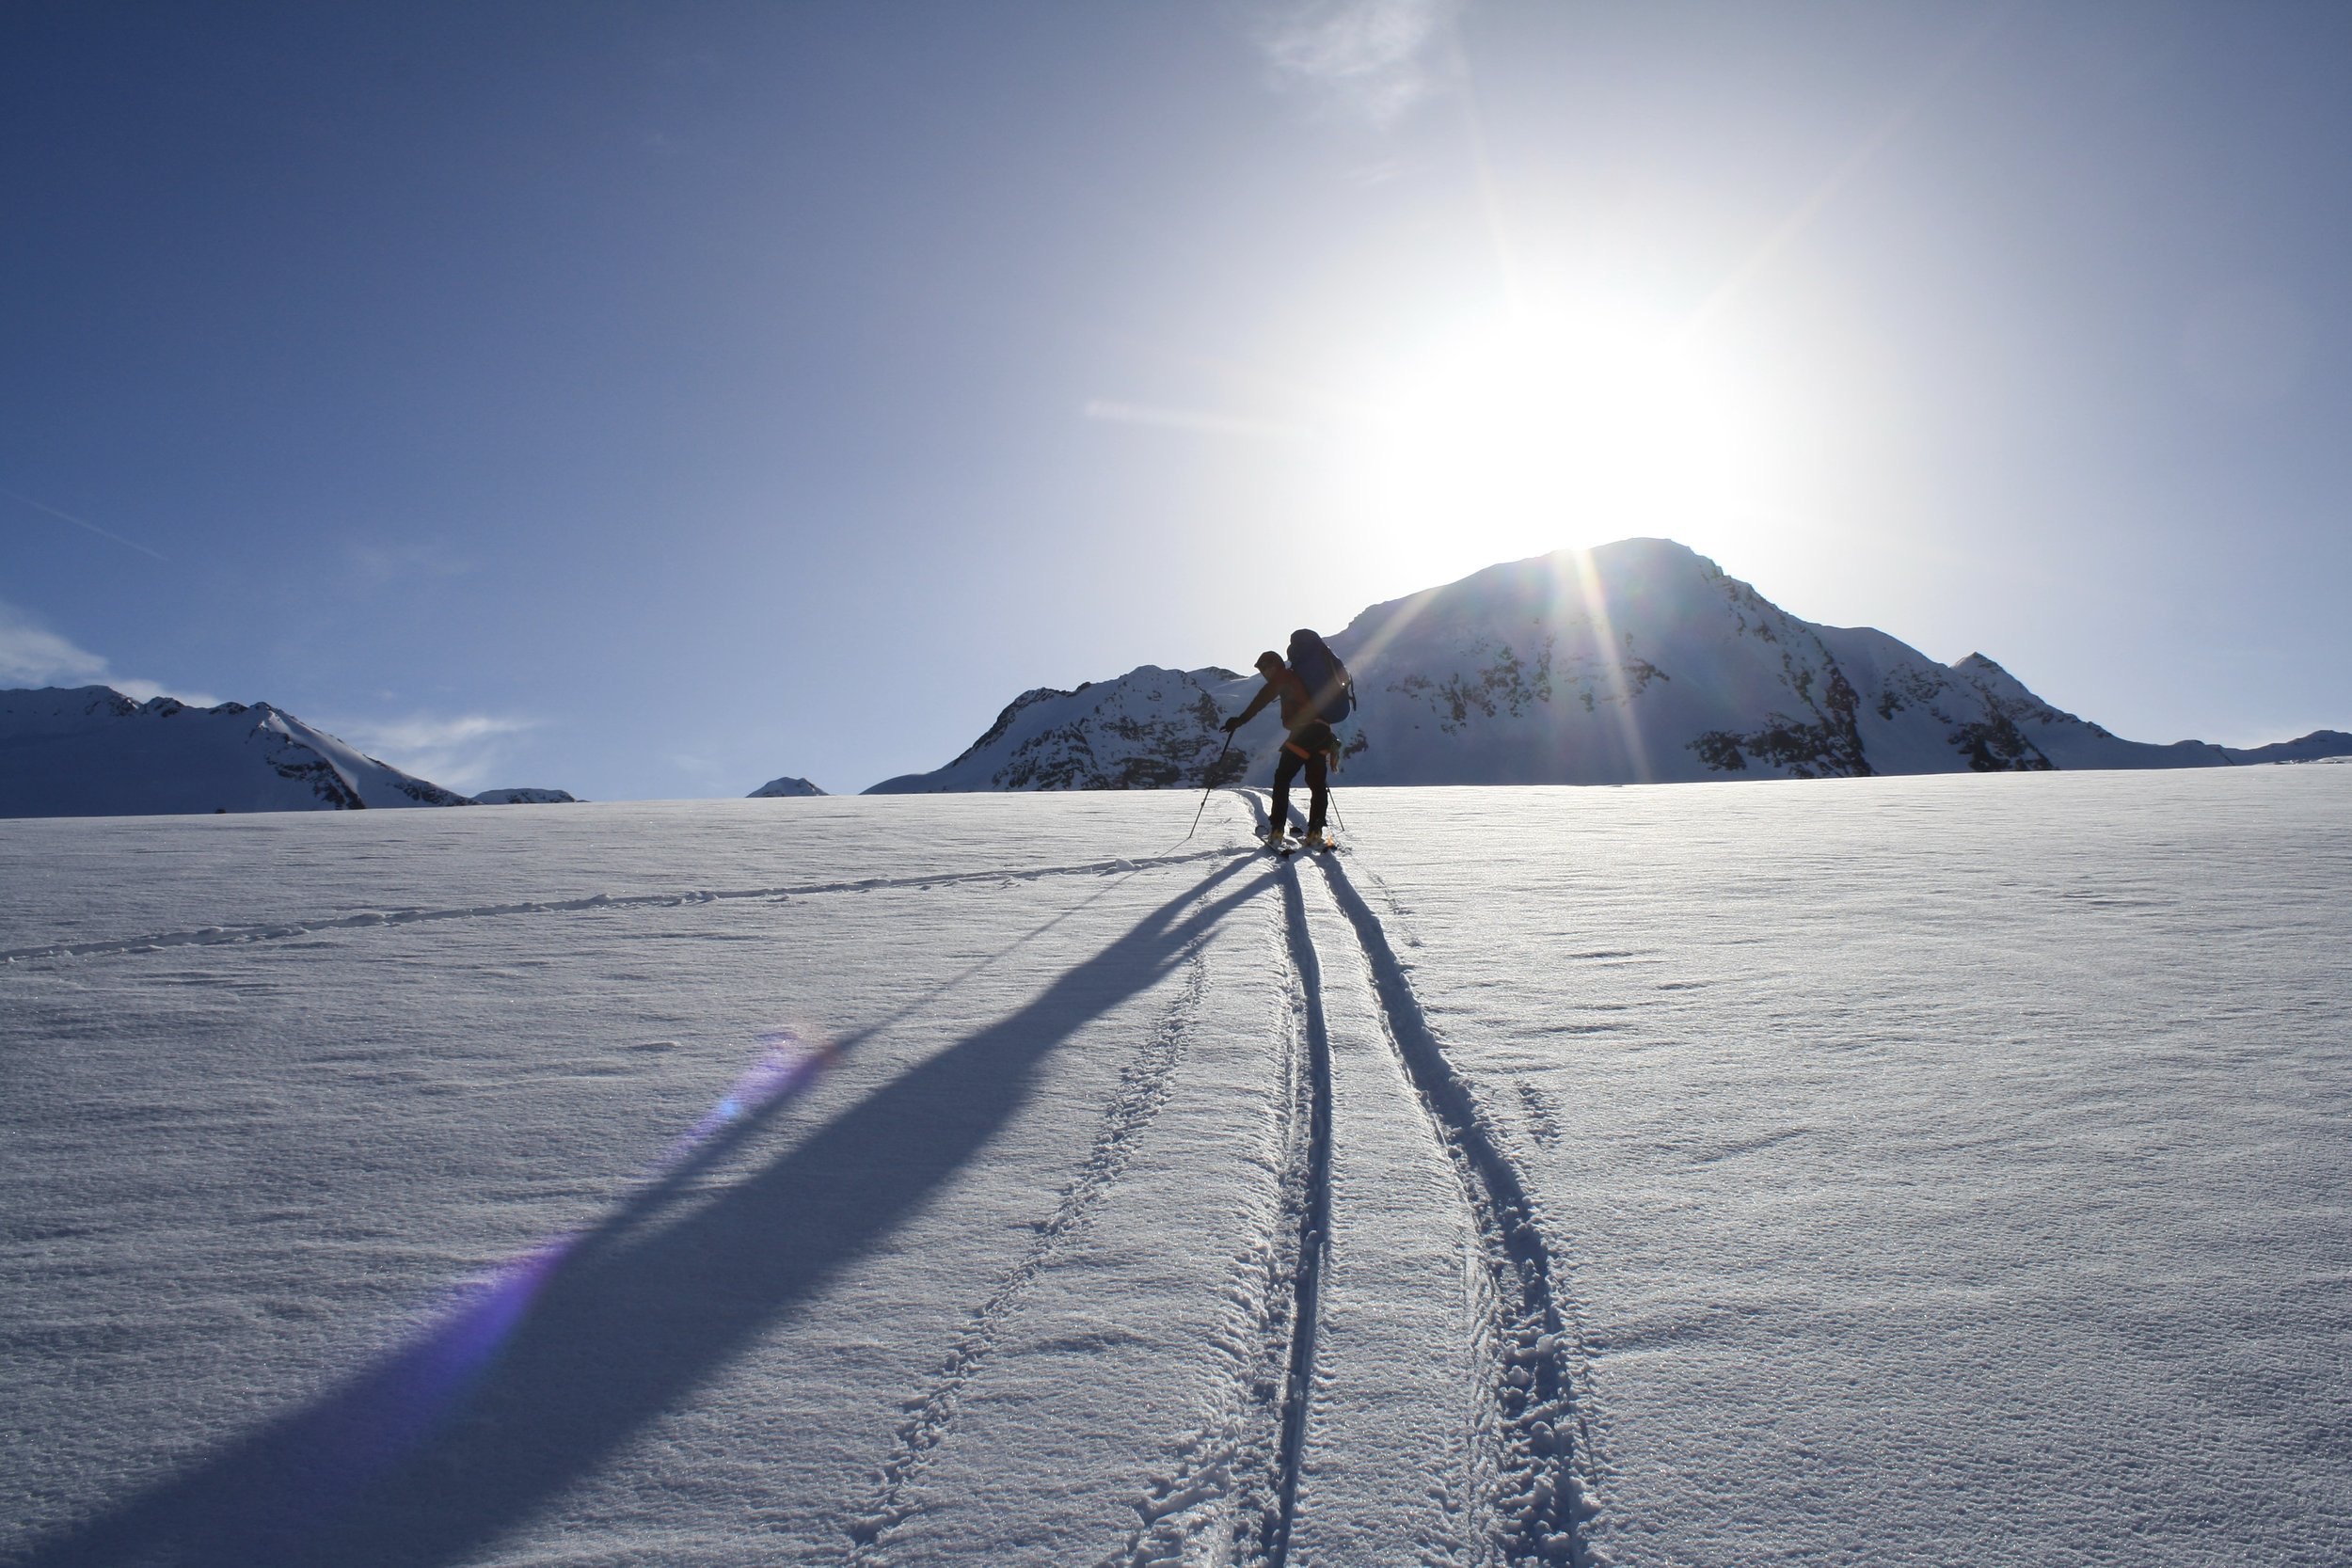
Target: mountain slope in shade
[(1149, 729), (784, 788), (92, 751), (1639, 661), (526, 797), (2318, 746)]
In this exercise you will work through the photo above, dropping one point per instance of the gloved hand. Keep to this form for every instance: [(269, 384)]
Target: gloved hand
[(1231, 724)]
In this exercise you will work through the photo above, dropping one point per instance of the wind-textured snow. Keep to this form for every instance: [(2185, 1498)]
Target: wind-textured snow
[(1889, 1171), (89, 750)]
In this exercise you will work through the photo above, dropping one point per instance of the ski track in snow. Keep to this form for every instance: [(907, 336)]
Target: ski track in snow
[(1240, 1477), (280, 930), (1333, 989), (1314, 1220), (1543, 1483), (1143, 1088), (1231, 1491)]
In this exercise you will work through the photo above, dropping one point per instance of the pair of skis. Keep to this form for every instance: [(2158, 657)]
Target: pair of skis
[(1283, 847)]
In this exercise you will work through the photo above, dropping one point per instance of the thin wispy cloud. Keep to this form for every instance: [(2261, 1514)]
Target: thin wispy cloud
[(1197, 422), (140, 691), (458, 751), (82, 523), (1373, 57), (31, 655)]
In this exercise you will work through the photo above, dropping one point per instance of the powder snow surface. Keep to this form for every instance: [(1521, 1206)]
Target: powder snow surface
[(1891, 1171)]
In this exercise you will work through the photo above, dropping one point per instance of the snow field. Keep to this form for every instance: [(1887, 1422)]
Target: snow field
[(187, 880), (1952, 1170), (1026, 1268), (1901, 1171), (1103, 1402), (350, 1122)]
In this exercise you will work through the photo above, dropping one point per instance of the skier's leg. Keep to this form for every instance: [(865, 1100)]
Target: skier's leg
[(1286, 764), (1318, 793)]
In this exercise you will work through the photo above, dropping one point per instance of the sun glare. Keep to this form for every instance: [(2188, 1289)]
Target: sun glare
[(1530, 434)]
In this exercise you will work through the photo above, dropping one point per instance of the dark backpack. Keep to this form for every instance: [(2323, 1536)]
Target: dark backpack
[(1330, 691)]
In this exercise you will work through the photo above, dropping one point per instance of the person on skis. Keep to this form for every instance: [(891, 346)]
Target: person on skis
[(1313, 691)]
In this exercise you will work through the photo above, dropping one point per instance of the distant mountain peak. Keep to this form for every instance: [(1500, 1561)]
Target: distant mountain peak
[(92, 751)]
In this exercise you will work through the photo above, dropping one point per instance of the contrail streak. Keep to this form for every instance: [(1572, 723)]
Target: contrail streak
[(84, 523)]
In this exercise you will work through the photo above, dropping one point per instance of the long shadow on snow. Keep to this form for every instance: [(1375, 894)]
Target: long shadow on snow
[(628, 1324)]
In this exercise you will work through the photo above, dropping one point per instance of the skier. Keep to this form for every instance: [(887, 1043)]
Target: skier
[(1314, 692)]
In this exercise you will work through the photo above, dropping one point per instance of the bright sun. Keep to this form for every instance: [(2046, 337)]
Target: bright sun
[(1532, 433)]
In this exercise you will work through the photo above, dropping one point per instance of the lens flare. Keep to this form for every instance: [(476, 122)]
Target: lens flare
[(307, 1468), (785, 1066)]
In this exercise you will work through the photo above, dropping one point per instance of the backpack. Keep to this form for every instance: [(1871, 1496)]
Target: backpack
[(1330, 690)]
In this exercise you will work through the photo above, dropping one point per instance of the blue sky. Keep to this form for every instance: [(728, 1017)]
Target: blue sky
[(651, 400)]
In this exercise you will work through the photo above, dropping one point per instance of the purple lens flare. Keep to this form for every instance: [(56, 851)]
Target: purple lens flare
[(392, 1408)]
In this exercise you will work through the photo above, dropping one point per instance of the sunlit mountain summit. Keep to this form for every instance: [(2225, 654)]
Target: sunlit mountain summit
[(1639, 661)]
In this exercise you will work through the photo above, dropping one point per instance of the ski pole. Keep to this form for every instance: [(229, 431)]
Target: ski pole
[(1206, 788)]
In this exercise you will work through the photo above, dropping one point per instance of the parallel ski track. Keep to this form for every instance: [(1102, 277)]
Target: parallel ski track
[(1315, 1227), (1544, 1483), (1232, 1494), (1543, 1479), (1545, 1463), (1143, 1089), (277, 931)]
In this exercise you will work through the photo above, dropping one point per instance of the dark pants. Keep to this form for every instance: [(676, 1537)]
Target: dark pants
[(1315, 742)]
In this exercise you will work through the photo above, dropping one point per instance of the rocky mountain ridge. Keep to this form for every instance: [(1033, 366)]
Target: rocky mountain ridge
[(1639, 661)]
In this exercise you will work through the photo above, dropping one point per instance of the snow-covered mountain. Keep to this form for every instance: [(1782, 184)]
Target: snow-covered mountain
[(1149, 729), (526, 797), (786, 787), (89, 750), (1638, 661), (2318, 746)]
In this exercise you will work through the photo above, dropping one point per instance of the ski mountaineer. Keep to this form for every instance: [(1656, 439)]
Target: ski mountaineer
[(1314, 692)]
